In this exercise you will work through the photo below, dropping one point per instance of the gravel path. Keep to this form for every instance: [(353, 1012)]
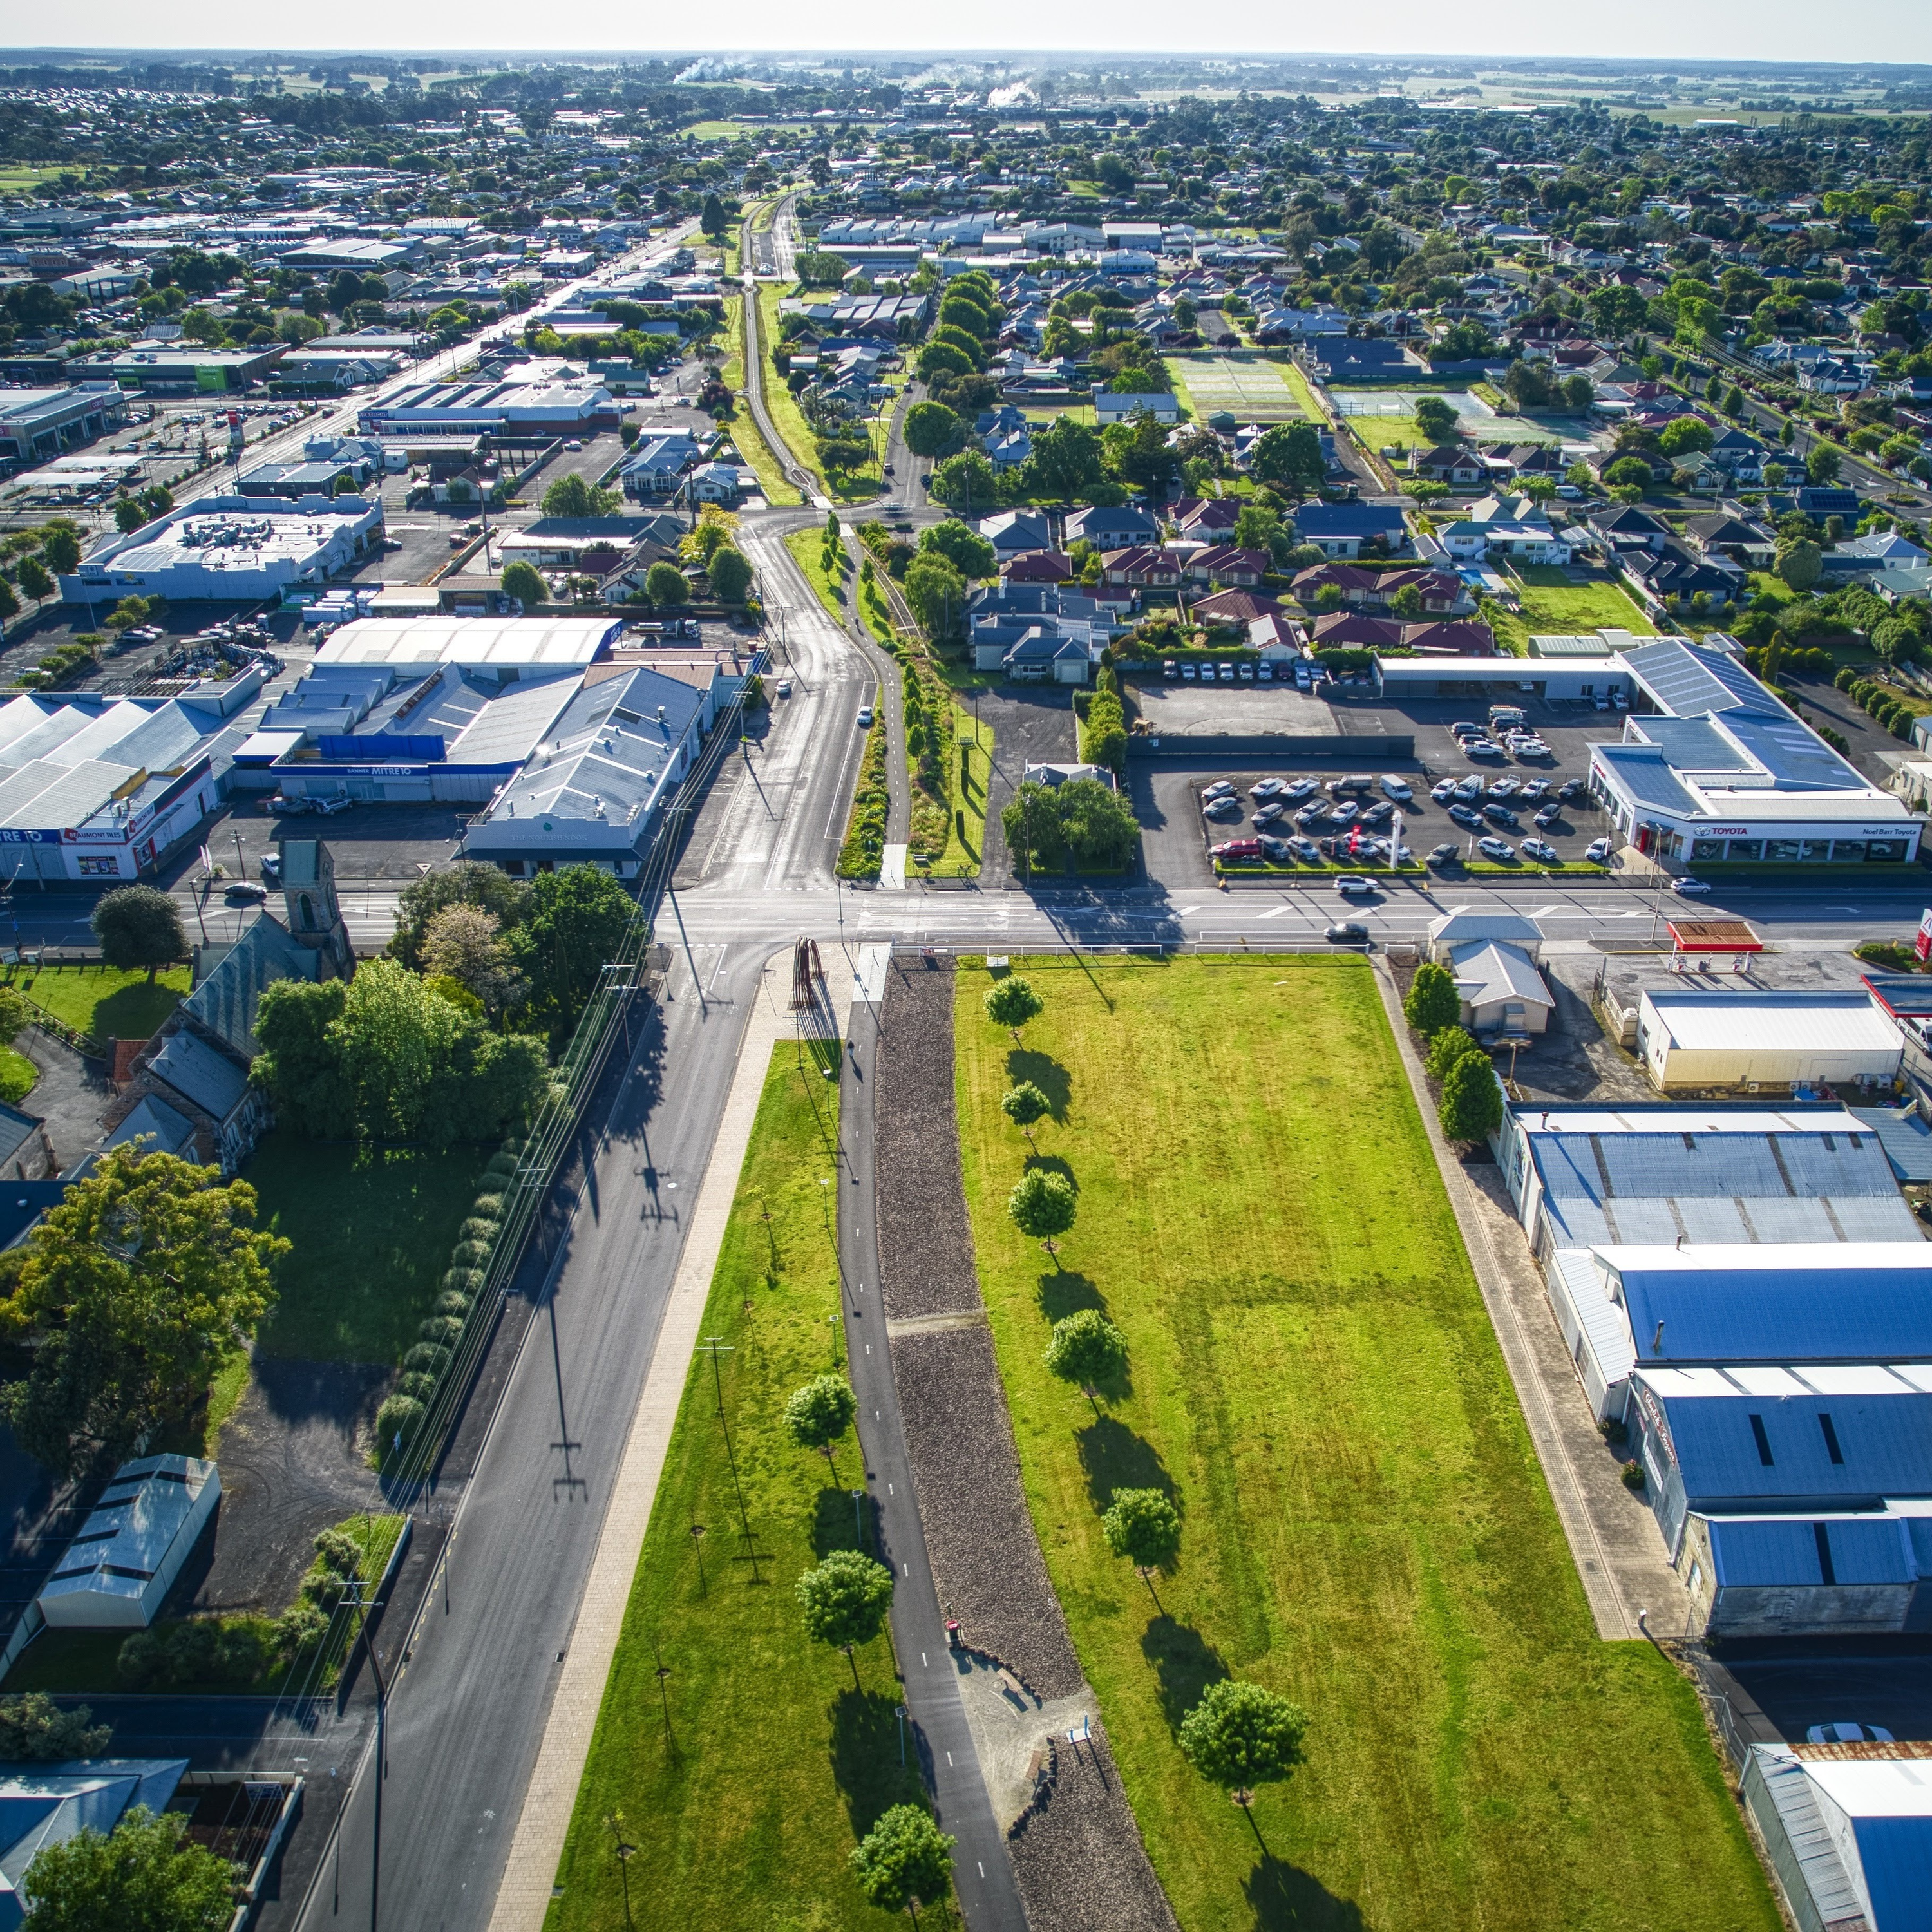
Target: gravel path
[(1078, 1856)]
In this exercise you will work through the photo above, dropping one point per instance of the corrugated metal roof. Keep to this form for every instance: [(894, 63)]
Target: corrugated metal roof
[(508, 729), (1722, 1021), (196, 1070), (1773, 1551), (1888, 1807), (1906, 1139), (1794, 1800), (126, 1539), (556, 644), (1488, 970), (1687, 680), (1884, 1441), (1606, 1327), (1642, 771)]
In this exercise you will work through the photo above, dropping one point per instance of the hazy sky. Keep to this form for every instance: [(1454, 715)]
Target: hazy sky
[(1845, 30)]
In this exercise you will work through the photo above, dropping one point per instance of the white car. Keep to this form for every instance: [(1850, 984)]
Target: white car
[(1400, 789), (1351, 886), (1540, 849), (1505, 788), (1598, 852), (866, 717), (1497, 849), (1443, 793), (1843, 1732), (1483, 748), (1470, 788), (1688, 888)]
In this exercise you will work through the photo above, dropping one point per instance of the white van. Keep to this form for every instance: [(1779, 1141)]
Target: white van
[(1400, 789)]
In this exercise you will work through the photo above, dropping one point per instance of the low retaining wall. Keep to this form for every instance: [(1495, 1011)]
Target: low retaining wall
[(1204, 747)]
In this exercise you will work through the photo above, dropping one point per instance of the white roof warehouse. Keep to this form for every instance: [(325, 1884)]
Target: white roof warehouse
[(230, 549)]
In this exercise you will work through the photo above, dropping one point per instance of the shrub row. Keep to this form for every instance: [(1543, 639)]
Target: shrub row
[(860, 857), (1879, 702), (1103, 735)]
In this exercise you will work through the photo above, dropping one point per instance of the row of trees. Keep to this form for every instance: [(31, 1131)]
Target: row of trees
[(1472, 1105), (1240, 1735)]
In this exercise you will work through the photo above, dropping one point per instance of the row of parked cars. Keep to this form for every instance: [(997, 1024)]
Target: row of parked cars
[(1227, 671)]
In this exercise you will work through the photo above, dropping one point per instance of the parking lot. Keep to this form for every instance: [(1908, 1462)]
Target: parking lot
[(1242, 708)]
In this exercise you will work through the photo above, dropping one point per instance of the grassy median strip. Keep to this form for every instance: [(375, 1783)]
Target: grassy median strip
[(1313, 1377), (861, 855), (808, 551), (746, 436), (842, 486), (746, 1775)]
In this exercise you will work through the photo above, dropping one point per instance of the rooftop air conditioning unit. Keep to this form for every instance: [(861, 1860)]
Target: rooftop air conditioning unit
[(1750, 1086)]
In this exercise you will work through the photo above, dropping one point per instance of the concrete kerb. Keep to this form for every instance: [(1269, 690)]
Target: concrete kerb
[(1618, 1559), (550, 1797)]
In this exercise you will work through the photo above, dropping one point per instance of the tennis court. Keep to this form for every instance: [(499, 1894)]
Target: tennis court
[(1253, 392), (1474, 417)]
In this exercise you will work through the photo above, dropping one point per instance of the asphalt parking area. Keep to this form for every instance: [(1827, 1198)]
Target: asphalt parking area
[(1239, 709), (391, 843)]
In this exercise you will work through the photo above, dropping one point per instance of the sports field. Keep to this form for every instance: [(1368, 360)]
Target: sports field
[(1252, 391)]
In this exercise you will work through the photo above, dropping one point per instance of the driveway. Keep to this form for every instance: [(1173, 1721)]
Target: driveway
[(1032, 724)]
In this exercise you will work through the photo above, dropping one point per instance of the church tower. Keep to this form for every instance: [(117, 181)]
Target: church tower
[(310, 909)]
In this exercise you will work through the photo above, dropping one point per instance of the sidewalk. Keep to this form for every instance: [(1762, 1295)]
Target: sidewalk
[(524, 1896), (1613, 1536)]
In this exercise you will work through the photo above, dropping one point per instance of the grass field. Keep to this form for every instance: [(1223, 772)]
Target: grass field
[(373, 1228), (774, 1764), (1365, 1527), (17, 1075), (1252, 391), (1300, 389), (1552, 605), (99, 1000), (745, 436)]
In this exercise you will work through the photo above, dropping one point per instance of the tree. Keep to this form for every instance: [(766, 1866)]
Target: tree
[(1472, 1100), (468, 882), (1085, 821), (1578, 395), (1024, 1105), (466, 944), (138, 926), (524, 582), (818, 1413), (574, 495), (903, 1861), (1067, 458), (142, 1874), (1685, 433), (818, 268), (1800, 563), (664, 585), (1255, 526), (1288, 456), (962, 546), (1011, 1002), (936, 593), (34, 1729), (1242, 1734), (963, 481), (731, 574), (1144, 1526), (578, 920), (1042, 1206), (1822, 465), (932, 430), (711, 219), (845, 1601), (1445, 1049), (1435, 419), (1407, 603), (128, 515), (147, 1278), (1433, 1002), (60, 551), (300, 1062), (1085, 1348), (1629, 472)]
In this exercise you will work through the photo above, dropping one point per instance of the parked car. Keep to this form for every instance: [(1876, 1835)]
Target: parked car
[(1443, 793), (1483, 748), (1345, 814), (1445, 855), (1597, 852), (1501, 815), (1221, 809), (1549, 816), (1845, 1733), (1466, 728), (1265, 789), (270, 863), (1348, 932), (1571, 790), (1495, 849), (1170, 669), (1505, 788), (1227, 673), (1306, 850), (1301, 788), (329, 807), (1267, 814), (1237, 851), (1536, 787), (1467, 814), (1540, 849), (1531, 748), (1310, 816), (1188, 673), (1469, 788), (1569, 492), (1689, 889), (783, 687), (1352, 885), (1398, 789), (1264, 673), (1220, 788), (1276, 851), (1246, 673), (1378, 814)]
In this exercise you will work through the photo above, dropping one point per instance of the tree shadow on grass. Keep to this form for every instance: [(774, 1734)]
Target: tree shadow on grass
[(1046, 1073), (839, 1524), (865, 1757), (1285, 1898), (1062, 1294), (1054, 1163), (1115, 1458), (1184, 1664)]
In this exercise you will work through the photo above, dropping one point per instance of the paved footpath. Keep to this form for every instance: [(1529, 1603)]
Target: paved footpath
[(524, 1895), (1613, 1536)]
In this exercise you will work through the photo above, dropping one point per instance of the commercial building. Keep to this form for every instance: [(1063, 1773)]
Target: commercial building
[(99, 788), (44, 1804), (38, 424), (517, 404), (131, 1547), (1725, 1304), (1849, 1829), (186, 365), (1690, 1038), (230, 549), (1652, 1175), (1711, 767), (1502, 992)]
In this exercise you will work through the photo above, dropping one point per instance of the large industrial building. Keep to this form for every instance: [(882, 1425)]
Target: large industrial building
[(1691, 1039), (524, 402), (38, 424), (229, 549)]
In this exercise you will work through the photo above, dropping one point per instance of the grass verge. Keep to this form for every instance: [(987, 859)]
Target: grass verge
[(98, 999), (372, 1228), (1552, 604), (17, 1075), (746, 1785), (1314, 1378), (842, 486), (808, 550), (746, 436), (863, 851)]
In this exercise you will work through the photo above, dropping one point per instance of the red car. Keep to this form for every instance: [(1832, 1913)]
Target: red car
[(1236, 849)]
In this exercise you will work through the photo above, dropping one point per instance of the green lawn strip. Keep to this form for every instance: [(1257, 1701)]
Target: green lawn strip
[(878, 616), (973, 752), (102, 1001), (855, 486), (746, 437), (1552, 606), (88, 1661), (372, 1227), (17, 1075), (860, 855), (808, 550), (1303, 392), (932, 764), (1365, 1527), (775, 1764)]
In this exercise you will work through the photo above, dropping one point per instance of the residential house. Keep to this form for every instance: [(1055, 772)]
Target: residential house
[(1226, 564), (1858, 557), (1341, 359), (1232, 608), (1341, 529), (1141, 568), (658, 464), (1455, 464), (1624, 526), (1376, 589), (1110, 407), (1105, 528), (1677, 571), (1045, 656), (1014, 532), (1500, 988), (1039, 566), (1440, 637), (1208, 519)]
